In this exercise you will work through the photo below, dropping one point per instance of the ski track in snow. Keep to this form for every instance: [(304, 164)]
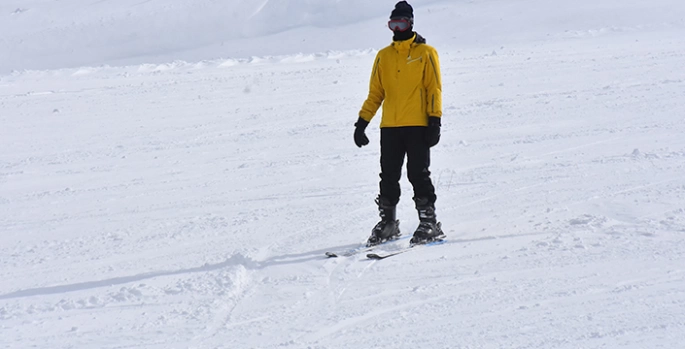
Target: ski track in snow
[(189, 205)]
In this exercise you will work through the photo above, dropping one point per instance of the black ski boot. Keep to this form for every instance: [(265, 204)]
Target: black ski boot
[(429, 229), (388, 228)]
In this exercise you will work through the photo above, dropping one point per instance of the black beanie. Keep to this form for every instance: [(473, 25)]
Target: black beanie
[(402, 10)]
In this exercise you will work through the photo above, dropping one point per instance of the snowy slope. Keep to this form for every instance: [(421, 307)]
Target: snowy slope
[(49, 34), (185, 198)]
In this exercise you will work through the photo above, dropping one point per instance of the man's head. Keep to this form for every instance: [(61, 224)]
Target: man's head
[(401, 18)]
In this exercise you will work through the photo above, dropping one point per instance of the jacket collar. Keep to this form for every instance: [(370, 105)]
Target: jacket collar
[(404, 45)]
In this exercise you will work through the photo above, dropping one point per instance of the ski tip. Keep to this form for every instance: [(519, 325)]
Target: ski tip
[(331, 255), (373, 256)]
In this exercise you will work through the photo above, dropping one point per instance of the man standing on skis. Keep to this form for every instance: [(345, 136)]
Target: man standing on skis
[(406, 80)]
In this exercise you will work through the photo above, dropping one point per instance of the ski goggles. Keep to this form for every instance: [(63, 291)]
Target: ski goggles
[(400, 24)]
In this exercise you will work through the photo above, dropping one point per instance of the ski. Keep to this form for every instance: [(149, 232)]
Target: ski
[(351, 252), (404, 250), (361, 249)]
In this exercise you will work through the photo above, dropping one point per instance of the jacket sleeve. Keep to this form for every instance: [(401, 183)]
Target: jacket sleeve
[(376, 92), (432, 81)]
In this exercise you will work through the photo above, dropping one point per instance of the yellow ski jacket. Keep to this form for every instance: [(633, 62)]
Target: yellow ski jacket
[(406, 80)]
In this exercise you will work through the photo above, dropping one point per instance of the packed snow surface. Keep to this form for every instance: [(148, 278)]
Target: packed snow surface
[(172, 173)]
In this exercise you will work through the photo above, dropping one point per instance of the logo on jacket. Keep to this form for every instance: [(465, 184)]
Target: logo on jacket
[(412, 60)]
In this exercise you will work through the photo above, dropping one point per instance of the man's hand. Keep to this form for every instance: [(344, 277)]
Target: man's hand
[(360, 138), (433, 131)]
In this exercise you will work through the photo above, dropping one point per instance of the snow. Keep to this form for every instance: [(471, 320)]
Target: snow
[(172, 173)]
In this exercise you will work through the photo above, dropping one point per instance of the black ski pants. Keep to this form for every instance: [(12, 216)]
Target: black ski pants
[(396, 142)]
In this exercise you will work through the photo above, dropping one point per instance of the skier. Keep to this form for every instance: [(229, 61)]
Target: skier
[(406, 80)]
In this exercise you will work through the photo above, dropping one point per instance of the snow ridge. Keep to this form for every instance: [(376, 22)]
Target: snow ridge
[(179, 67)]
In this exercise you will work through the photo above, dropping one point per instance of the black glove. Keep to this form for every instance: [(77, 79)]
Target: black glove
[(433, 131), (360, 138)]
